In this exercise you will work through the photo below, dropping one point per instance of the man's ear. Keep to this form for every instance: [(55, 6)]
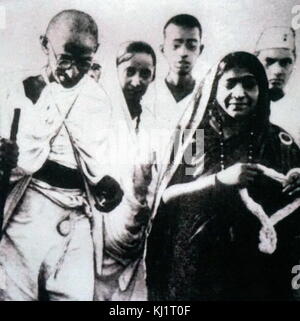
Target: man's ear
[(161, 48), (201, 49), (295, 57), (96, 47), (154, 75), (44, 44)]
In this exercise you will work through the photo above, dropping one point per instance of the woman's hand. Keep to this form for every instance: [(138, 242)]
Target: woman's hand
[(239, 174), (292, 185)]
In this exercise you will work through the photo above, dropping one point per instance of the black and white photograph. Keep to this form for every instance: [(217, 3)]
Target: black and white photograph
[(150, 151)]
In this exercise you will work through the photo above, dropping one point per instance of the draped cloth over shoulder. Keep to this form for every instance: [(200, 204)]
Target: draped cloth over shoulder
[(86, 113), (205, 246), (133, 165), (56, 211)]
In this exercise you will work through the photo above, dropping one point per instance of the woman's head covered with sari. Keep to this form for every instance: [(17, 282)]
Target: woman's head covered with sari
[(237, 77), (222, 207), (206, 105), (136, 64)]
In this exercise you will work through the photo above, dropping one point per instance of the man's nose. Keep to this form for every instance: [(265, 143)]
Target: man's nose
[(135, 80), (72, 72), (183, 51), (277, 70)]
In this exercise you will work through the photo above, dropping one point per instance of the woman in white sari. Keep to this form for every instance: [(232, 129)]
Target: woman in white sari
[(135, 157)]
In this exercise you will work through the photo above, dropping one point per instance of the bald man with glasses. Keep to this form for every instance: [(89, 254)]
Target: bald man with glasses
[(52, 242)]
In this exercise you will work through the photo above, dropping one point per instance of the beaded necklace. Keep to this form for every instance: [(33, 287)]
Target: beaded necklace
[(222, 143)]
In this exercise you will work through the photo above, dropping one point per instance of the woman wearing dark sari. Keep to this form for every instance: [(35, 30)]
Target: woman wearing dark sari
[(213, 236)]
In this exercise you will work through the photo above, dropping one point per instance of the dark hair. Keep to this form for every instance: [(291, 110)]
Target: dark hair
[(79, 21), (128, 49), (250, 62), (185, 21)]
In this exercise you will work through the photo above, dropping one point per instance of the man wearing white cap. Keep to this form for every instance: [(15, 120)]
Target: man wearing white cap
[(276, 50)]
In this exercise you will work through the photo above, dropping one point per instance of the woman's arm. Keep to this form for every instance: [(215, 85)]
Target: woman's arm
[(200, 184), (239, 175)]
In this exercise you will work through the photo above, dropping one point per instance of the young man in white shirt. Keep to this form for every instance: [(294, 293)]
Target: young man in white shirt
[(181, 47)]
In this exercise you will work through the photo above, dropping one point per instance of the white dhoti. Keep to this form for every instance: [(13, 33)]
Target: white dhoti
[(38, 261), (47, 248)]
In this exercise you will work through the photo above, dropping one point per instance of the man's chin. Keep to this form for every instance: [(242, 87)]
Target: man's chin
[(68, 83), (133, 96), (276, 93), (183, 71)]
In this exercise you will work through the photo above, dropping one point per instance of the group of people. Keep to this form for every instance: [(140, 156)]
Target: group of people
[(192, 195)]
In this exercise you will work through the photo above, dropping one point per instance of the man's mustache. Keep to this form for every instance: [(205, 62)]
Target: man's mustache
[(67, 74)]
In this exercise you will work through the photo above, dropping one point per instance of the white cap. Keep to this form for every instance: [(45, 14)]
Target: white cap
[(276, 37)]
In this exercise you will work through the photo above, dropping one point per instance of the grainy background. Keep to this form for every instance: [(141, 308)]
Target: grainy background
[(227, 25)]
